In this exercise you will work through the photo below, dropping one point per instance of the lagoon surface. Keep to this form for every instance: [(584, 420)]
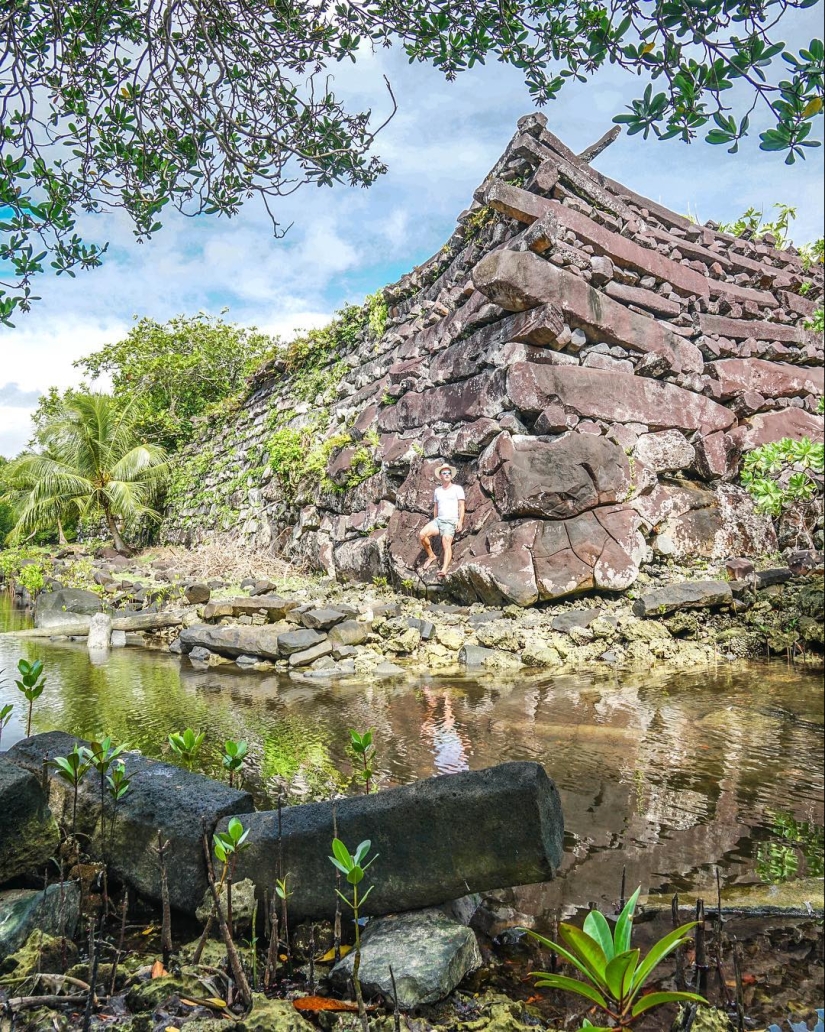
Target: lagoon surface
[(670, 775)]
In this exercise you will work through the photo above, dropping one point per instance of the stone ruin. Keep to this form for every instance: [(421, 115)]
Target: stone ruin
[(594, 364)]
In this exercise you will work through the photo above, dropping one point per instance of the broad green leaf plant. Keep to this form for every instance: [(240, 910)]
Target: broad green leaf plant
[(352, 866), (614, 974), (782, 476), (31, 684), (362, 745), (186, 744)]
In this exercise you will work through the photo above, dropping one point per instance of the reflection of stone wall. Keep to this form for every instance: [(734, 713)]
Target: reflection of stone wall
[(593, 363)]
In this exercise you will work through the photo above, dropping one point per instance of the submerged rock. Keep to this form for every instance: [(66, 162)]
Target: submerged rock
[(22, 911), (428, 952)]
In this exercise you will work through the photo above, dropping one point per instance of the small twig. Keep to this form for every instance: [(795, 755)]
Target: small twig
[(701, 962), (681, 984), (65, 980), (18, 1003), (93, 960), (336, 928), (121, 940), (271, 972), (396, 1016), (166, 920), (740, 989)]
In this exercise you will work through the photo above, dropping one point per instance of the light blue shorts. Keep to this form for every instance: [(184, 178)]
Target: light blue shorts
[(446, 528)]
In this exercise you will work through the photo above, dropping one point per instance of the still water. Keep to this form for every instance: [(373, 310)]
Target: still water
[(671, 775)]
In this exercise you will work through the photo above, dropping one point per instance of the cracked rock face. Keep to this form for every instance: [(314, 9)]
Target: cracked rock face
[(593, 364)]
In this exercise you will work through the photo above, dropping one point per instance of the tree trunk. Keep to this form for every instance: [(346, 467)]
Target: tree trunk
[(117, 540), (61, 537)]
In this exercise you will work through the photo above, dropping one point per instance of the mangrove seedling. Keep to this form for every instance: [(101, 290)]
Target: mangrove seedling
[(283, 894), (353, 868), (5, 717), (71, 768), (364, 750), (102, 755), (234, 753), (117, 785), (227, 844), (31, 684), (614, 974), (186, 744)]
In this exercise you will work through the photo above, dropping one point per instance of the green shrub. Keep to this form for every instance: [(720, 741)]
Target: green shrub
[(781, 475)]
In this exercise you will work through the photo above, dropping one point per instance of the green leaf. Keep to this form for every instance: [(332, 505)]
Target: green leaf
[(624, 925), (619, 973), (562, 952), (342, 853), (659, 951), (587, 948), (657, 999), (571, 985), (596, 926)]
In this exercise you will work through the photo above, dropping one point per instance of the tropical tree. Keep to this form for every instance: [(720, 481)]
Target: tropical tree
[(175, 370), (92, 462), (199, 106)]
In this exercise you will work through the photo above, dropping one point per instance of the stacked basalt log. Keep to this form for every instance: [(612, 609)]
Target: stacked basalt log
[(595, 366)]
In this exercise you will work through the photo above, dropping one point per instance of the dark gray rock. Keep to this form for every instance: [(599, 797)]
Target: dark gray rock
[(54, 912), (474, 656), (478, 830), (426, 627), (28, 833), (768, 578), (687, 595), (479, 619), (233, 640), (197, 594), (298, 641), (429, 953), (161, 797), (565, 622), (323, 648), (322, 619)]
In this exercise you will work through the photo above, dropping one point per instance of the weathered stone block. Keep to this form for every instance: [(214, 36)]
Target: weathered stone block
[(161, 798), (616, 398), (687, 595), (449, 819), (29, 836)]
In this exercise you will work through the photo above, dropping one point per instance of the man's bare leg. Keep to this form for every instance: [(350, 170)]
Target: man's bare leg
[(448, 556), (426, 544)]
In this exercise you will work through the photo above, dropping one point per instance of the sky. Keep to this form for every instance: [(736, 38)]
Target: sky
[(347, 242)]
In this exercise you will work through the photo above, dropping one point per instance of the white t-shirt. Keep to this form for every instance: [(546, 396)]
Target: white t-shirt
[(447, 499)]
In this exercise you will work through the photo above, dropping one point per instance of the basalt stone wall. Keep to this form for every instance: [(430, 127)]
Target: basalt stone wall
[(595, 366)]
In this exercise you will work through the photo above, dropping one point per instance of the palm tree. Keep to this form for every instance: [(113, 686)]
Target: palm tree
[(92, 461)]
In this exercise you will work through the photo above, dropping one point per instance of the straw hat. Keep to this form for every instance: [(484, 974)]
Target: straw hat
[(445, 465)]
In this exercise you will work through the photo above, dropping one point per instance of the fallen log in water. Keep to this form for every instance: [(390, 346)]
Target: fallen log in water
[(80, 626)]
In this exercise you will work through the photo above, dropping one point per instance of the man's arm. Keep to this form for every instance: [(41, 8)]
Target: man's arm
[(461, 508)]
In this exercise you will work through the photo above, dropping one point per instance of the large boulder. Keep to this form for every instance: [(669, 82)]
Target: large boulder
[(428, 952), (436, 840), (55, 608), (554, 479), (29, 836), (162, 798)]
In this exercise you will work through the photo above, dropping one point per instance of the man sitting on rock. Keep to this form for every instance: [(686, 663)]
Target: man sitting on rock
[(448, 518)]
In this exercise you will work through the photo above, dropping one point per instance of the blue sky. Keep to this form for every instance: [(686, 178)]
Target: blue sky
[(346, 242)]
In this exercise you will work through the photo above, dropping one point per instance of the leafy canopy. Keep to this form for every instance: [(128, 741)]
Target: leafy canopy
[(174, 371), (144, 106), (92, 461)]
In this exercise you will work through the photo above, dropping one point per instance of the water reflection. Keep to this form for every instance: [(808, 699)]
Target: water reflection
[(669, 775)]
